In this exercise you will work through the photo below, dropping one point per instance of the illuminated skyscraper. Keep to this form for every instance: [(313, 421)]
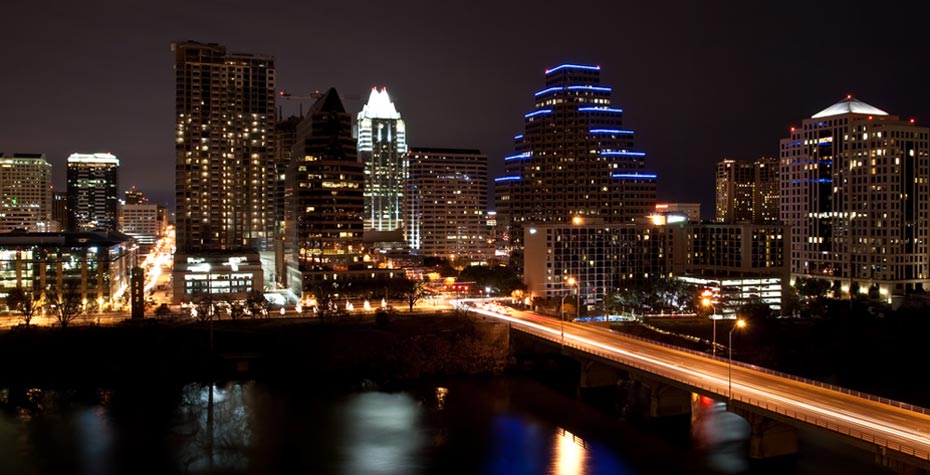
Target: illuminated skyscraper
[(447, 204), (92, 197), (854, 192), (225, 112), (574, 158), (747, 192), (324, 201), (382, 143), (26, 193)]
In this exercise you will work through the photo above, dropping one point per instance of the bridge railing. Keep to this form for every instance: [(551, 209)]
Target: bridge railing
[(812, 382), (842, 429), (697, 383)]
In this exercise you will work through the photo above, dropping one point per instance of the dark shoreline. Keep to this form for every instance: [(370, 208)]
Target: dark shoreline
[(349, 352)]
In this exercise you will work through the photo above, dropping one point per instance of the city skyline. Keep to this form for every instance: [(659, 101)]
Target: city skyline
[(688, 81)]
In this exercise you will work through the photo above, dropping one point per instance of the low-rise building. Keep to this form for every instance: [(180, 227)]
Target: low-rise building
[(98, 264)]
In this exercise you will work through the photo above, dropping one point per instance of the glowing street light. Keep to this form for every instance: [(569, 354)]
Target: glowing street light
[(739, 324), (569, 282), (706, 301)]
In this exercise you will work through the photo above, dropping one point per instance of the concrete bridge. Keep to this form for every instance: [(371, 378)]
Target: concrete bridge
[(774, 404)]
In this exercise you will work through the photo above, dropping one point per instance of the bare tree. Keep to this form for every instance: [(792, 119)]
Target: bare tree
[(257, 303), (203, 302), (26, 302), (326, 304), (414, 291), (68, 303), (236, 310)]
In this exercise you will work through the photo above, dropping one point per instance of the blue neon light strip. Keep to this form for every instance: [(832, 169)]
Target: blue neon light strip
[(599, 109), (640, 176), (517, 156), (518, 137), (573, 66), (539, 112), (507, 178), (610, 131), (625, 154), (589, 88), (548, 90)]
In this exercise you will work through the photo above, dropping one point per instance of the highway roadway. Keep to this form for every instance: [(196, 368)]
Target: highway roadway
[(885, 424)]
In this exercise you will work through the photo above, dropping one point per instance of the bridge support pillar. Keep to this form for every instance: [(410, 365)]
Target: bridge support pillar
[(665, 400), (900, 467), (768, 437), (595, 375)]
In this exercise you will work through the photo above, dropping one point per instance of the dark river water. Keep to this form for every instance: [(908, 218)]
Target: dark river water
[(481, 427)]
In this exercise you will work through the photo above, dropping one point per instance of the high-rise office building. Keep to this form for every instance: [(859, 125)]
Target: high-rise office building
[(60, 209), (26, 193), (447, 204), (325, 203), (92, 197), (225, 113), (573, 159), (382, 143), (747, 192), (854, 192), (285, 135)]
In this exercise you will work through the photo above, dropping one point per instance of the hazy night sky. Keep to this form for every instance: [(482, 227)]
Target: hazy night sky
[(698, 82)]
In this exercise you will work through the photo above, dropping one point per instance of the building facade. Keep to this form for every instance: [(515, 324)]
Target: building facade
[(382, 148), (854, 191), (574, 158), (599, 257), (446, 203), (98, 264), (141, 222), (92, 197), (225, 119), (602, 258), (26, 193), (747, 192), (325, 206), (285, 135), (60, 209), (692, 211)]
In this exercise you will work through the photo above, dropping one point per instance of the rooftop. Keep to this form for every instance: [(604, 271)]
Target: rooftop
[(849, 105)]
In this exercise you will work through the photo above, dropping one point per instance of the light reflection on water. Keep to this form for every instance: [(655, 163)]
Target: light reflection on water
[(246, 427), (570, 454), (383, 434)]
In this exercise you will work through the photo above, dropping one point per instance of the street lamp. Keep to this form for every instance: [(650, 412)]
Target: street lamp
[(570, 282), (738, 324), (706, 301)]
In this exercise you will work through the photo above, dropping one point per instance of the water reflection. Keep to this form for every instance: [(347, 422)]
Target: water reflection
[(215, 424), (570, 454), (465, 427), (383, 434)]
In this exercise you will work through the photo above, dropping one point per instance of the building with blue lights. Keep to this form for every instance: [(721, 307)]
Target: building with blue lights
[(382, 145), (854, 192), (574, 158)]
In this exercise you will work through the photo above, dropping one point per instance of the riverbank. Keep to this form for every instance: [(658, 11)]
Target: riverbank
[(402, 348)]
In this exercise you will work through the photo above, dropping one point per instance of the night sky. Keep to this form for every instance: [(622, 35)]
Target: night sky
[(698, 82)]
